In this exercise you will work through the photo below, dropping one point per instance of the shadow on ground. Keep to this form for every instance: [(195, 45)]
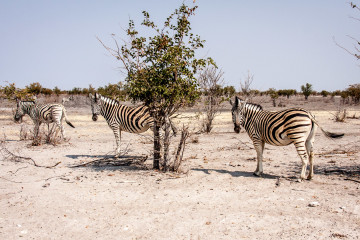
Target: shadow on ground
[(235, 173)]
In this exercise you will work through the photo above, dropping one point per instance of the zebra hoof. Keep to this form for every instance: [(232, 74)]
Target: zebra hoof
[(258, 174)]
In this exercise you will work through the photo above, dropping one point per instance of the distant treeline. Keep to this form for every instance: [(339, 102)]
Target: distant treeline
[(118, 91)]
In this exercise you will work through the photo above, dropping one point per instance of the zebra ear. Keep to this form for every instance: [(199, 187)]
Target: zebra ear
[(17, 101), (231, 102), (90, 95), (237, 100)]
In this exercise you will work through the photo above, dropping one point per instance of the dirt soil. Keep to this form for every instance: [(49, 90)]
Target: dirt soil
[(216, 196)]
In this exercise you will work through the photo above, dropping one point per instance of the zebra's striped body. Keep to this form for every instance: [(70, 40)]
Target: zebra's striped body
[(294, 125), (42, 113), (120, 117)]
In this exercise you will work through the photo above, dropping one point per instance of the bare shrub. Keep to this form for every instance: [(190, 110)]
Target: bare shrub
[(211, 82), (245, 85), (48, 134), (180, 150), (340, 115)]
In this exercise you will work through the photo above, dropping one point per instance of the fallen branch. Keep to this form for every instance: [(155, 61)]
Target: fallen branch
[(350, 179), (12, 157), (112, 162)]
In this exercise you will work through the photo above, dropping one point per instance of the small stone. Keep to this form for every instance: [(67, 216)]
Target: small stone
[(314, 204)]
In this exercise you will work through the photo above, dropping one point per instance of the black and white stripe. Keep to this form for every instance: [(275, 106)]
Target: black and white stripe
[(120, 117), (294, 125), (42, 113)]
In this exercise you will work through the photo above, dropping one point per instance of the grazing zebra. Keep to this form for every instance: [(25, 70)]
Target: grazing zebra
[(294, 125), (120, 117), (42, 113)]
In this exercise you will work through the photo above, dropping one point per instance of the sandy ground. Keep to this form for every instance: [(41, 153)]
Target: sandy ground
[(217, 198)]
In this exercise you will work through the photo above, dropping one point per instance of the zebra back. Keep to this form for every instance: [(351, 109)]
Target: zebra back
[(271, 127), (39, 112), (129, 119)]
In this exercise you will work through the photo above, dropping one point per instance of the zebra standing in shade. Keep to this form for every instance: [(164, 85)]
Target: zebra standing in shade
[(120, 117), (42, 113), (294, 125)]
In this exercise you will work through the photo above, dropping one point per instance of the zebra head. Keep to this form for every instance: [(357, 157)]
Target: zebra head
[(237, 116), (22, 108), (95, 105), (19, 111)]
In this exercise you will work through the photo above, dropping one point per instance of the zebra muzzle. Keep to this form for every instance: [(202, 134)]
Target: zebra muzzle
[(18, 119), (94, 117), (237, 129)]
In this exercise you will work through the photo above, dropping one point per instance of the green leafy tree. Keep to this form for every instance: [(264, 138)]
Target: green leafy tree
[(354, 92), (273, 95), (306, 90), (57, 91), (34, 88), (287, 92), (11, 92), (229, 91), (115, 91), (161, 70), (324, 93)]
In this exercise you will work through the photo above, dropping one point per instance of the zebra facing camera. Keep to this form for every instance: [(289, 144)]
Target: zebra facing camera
[(237, 129)]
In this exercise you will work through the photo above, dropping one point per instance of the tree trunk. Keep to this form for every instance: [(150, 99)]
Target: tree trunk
[(166, 144), (157, 146)]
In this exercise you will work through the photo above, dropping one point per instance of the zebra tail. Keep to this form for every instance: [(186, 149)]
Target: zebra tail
[(332, 135), (66, 120), (326, 133)]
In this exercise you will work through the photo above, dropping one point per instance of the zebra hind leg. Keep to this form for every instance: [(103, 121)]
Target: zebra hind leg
[(301, 149), (310, 151)]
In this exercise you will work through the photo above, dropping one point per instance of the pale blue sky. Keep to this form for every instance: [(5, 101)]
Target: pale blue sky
[(284, 43)]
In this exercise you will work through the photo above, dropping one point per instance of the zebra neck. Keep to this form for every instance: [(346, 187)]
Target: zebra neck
[(26, 107), (106, 105), (249, 113)]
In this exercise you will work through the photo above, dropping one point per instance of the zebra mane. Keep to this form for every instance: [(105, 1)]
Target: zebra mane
[(109, 100), (257, 106), (27, 102)]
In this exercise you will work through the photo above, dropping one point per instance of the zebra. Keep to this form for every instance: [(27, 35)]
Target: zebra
[(42, 113), (120, 117), (281, 128)]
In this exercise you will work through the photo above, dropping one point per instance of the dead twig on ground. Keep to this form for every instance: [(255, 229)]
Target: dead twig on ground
[(15, 158)]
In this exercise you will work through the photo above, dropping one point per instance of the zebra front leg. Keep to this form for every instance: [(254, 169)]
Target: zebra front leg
[(117, 133), (36, 129), (259, 147)]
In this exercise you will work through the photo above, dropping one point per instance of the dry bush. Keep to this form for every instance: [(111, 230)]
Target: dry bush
[(25, 133), (175, 164), (340, 115), (49, 134)]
